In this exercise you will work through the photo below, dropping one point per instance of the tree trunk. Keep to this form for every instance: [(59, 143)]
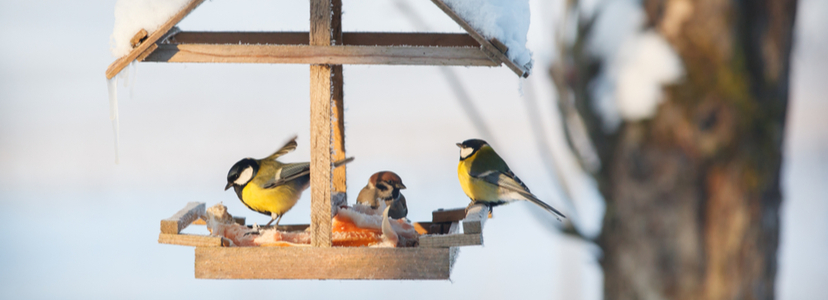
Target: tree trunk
[(693, 194)]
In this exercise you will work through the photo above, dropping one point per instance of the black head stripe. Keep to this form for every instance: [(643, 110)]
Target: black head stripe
[(474, 143), (240, 166)]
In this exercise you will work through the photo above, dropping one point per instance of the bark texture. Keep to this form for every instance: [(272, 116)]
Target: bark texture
[(693, 194)]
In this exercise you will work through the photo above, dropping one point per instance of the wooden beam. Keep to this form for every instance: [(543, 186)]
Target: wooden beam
[(348, 38), (452, 239), (338, 110), (297, 54), (183, 218), (448, 215), (238, 220), (475, 219), (124, 61), (485, 44), (193, 240), (322, 263), (321, 99)]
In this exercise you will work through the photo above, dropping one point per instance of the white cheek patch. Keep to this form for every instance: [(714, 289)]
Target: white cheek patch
[(465, 152), (245, 176)]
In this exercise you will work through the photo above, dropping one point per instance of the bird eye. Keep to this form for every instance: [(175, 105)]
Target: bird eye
[(382, 187)]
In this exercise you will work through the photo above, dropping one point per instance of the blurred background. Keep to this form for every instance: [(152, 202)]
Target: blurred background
[(674, 192)]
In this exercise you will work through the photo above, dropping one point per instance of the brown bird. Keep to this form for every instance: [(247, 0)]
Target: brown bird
[(385, 186)]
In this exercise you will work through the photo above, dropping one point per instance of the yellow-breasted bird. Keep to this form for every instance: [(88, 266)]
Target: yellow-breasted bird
[(486, 178), (270, 187), (385, 186)]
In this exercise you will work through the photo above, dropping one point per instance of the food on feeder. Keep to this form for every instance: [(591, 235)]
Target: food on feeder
[(486, 178), (352, 226), (268, 186), (384, 186)]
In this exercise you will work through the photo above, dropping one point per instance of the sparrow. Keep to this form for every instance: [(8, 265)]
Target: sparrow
[(385, 186)]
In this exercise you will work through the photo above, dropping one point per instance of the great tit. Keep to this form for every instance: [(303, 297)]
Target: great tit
[(486, 178), (385, 186), (268, 186)]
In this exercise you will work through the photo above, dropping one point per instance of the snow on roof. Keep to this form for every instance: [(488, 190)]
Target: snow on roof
[(506, 20), (133, 15)]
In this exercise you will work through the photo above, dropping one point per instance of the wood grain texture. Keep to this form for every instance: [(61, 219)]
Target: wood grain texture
[(183, 218), (322, 263), (193, 240), (452, 239), (338, 106), (475, 219), (299, 54), (321, 94), (487, 47), (238, 220), (124, 61), (348, 38), (448, 215)]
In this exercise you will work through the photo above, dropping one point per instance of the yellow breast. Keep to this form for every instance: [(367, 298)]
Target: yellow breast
[(476, 189), (277, 200)]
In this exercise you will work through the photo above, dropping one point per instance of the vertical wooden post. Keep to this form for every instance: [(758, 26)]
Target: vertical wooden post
[(322, 94), (338, 118)]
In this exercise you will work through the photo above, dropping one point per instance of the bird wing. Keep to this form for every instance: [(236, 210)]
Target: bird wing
[(287, 173), (511, 185), (293, 171), (287, 148)]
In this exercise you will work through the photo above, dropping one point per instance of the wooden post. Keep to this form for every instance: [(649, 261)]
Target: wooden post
[(322, 103), (338, 117)]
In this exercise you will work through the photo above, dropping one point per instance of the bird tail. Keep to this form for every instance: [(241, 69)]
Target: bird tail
[(342, 162), (540, 203)]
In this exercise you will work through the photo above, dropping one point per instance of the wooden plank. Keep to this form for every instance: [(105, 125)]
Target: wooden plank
[(322, 263), (124, 61), (448, 215), (485, 44), (183, 218), (193, 240), (475, 219), (451, 240), (297, 54), (321, 94), (138, 38), (339, 180), (348, 38), (238, 220)]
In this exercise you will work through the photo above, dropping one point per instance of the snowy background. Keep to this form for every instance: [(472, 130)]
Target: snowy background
[(80, 226)]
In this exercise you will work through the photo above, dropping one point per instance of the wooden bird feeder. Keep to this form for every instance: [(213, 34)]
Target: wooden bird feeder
[(325, 48)]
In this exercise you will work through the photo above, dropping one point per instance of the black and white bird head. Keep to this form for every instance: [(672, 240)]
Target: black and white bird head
[(469, 147), (242, 173)]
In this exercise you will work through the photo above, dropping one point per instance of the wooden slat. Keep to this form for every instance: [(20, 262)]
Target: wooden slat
[(321, 100), (448, 215), (238, 220), (322, 263), (192, 240), (183, 218), (338, 102), (486, 45), (290, 54), (348, 38), (451, 240), (475, 219), (124, 61)]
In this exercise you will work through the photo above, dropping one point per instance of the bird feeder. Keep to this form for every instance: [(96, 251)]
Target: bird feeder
[(325, 48)]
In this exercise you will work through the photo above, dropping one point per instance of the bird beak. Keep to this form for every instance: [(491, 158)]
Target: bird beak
[(229, 184), (400, 186), (459, 145)]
